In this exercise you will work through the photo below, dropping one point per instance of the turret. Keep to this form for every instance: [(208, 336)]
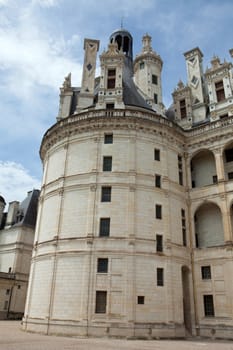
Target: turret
[(147, 73)]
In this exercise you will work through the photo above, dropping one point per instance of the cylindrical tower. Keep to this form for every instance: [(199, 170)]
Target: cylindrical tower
[(110, 211)]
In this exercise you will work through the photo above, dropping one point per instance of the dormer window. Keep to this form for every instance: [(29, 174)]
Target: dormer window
[(182, 109), (111, 79), (219, 88)]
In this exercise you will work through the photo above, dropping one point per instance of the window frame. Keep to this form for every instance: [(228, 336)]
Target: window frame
[(108, 139), (107, 163), (104, 227), (208, 301), (206, 272), (158, 211), (111, 78), (106, 194), (157, 154), (160, 276), (159, 243), (102, 265), (101, 296)]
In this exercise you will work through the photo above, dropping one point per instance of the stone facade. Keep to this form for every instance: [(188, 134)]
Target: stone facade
[(134, 229), (16, 243)]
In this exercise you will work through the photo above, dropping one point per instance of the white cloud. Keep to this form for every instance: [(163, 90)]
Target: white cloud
[(15, 181)]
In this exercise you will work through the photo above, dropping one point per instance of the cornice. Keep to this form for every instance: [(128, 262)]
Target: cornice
[(135, 119), (128, 119)]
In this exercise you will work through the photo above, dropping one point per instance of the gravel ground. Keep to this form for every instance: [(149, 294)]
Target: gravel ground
[(12, 338)]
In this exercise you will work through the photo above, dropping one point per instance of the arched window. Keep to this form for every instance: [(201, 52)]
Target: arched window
[(208, 226), (203, 169)]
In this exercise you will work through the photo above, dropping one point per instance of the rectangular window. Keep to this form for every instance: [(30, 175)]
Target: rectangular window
[(102, 265), (107, 163), (104, 227), (7, 291), (141, 299), (141, 65), (230, 176), (208, 305), (159, 243), (183, 224), (154, 79), (206, 272), (229, 155), (215, 179), (156, 99), (183, 109), (108, 138), (158, 211), (160, 281), (219, 88), (110, 105), (111, 79), (157, 181), (180, 169), (100, 302), (156, 154), (106, 194)]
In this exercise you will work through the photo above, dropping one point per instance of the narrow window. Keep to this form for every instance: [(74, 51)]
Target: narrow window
[(219, 88), (208, 305), (230, 176), (111, 78), (180, 169), (108, 138), (102, 265), (100, 302), (215, 179), (104, 230), (7, 291), (141, 299), (159, 243), (107, 163), (157, 181), (156, 99), (154, 79), (158, 211), (182, 109), (160, 281), (156, 154), (206, 272), (183, 224), (106, 194)]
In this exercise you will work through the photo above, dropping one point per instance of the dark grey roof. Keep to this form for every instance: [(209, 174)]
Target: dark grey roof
[(28, 209), (131, 96)]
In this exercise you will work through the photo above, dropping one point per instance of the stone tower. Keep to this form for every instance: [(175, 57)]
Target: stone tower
[(134, 230)]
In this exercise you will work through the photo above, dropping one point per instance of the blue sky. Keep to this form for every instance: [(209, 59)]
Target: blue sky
[(41, 41)]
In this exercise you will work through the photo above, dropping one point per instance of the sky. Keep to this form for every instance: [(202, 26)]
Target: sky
[(41, 41)]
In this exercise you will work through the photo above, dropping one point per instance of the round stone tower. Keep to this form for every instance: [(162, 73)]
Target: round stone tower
[(110, 200)]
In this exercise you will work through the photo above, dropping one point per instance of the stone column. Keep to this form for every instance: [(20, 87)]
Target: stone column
[(226, 219), (219, 165)]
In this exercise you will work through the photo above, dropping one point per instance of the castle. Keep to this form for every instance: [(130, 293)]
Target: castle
[(134, 229)]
